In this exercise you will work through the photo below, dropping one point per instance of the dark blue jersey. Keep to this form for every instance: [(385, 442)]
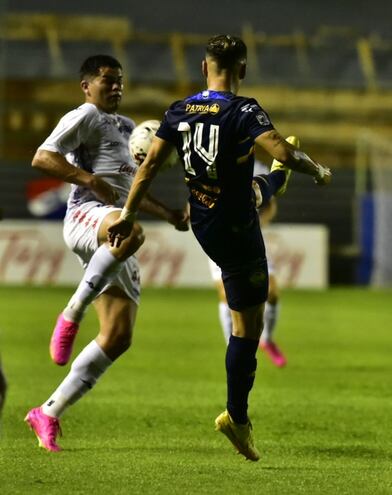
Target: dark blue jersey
[(214, 134)]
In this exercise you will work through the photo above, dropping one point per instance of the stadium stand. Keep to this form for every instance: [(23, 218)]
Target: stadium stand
[(315, 88), (340, 57)]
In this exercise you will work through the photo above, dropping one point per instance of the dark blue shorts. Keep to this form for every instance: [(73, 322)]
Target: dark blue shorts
[(248, 287), (240, 253)]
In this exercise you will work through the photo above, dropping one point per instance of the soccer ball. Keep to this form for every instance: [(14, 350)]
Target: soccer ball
[(141, 138), (140, 142)]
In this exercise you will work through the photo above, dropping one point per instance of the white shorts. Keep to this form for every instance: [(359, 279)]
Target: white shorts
[(81, 226), (216, 273)]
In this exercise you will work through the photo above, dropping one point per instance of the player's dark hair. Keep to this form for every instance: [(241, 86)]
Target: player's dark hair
[(90, 67), (226, 50)]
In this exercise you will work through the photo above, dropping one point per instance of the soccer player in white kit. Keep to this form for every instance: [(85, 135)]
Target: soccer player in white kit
[(271, 309), (89, 149)]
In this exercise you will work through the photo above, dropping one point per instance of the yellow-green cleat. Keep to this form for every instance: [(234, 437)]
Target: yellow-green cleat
[(240, 436), (279, 166)]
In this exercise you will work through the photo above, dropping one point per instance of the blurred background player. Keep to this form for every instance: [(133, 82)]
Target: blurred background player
[(267, 212), (214, 132), (89, 149)]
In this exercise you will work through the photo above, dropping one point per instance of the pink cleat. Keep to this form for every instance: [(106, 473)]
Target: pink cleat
[(274, 353), (45, 428), (62, 340)]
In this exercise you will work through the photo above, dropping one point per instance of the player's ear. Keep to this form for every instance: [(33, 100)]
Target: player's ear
[(204, 68), (84, 86)]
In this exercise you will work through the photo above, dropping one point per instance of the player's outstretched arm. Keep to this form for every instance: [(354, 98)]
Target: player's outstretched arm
[(157, 154), (293, 157), (55, 165)]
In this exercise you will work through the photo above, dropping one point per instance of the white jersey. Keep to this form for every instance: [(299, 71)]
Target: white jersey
[(98, 143)]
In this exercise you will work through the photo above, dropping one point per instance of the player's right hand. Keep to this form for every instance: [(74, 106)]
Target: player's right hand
[(180, 219), (103, 190)]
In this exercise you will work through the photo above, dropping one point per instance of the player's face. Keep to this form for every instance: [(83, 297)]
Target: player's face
[(105, 90)]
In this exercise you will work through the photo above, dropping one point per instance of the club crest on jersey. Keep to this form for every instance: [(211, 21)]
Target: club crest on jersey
[(200, 108)]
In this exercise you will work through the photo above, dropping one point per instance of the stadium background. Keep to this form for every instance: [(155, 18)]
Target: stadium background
[(322, 70)]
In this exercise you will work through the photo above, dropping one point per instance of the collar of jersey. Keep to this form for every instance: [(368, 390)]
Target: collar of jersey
[(211, 95)]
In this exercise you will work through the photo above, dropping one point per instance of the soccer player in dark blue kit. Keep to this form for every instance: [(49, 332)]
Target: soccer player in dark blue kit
[(214, 133)]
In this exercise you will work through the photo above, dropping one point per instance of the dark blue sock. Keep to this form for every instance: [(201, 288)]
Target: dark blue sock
[(270, 183), (241, 366)]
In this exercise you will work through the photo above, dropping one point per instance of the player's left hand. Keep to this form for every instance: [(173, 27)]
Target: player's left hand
[(325, 176), (118, 231), (180, 220)]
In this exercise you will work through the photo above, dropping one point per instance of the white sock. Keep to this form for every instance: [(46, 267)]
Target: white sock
[(271, 312), (225, 320), (102, 268), (88, 366)]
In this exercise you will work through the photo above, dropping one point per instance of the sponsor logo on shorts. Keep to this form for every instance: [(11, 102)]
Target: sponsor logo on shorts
[(257, 279)]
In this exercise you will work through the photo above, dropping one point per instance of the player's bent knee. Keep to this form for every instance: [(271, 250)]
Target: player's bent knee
[(248, 323)]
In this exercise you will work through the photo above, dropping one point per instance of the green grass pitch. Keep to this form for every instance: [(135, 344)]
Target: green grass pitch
[(323, 424)]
